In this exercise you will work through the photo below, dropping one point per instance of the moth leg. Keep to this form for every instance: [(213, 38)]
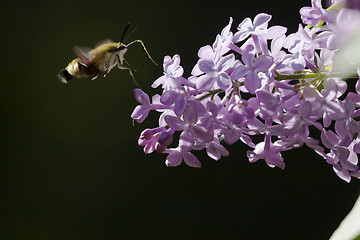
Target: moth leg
[(96, 76), (106, 72), (123, 67), (129, 65)]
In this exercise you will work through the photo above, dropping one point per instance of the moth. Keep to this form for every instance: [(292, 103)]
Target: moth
[(99, 61)]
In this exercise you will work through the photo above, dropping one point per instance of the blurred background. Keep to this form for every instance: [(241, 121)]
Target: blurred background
[(70, 164)]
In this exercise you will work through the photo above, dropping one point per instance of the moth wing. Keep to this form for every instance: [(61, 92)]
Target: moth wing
[(106, 41), (83, 55)]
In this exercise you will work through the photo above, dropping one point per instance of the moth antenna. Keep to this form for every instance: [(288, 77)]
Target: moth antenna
[(132, 33), (139, 41), (123, 35)]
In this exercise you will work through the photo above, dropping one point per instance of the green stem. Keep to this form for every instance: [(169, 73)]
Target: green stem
[(210, 94), (337, 6), (281, 77)]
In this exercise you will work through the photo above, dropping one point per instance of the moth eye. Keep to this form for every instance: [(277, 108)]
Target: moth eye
[(121, 47)]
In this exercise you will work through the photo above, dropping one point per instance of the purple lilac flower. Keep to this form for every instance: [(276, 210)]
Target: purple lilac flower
[(312, 15), (251, 69), (237, 117), (302, 47), (223, 42), (340, 155), (268, 151), (325, 103), (248, 27), (172, 74), (176, 156), (260, 81), (214, 73)]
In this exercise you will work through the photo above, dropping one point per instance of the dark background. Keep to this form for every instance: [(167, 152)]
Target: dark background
[(70, 164)]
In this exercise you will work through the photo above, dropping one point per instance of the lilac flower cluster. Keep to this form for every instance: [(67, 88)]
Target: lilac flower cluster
[(260, 81)]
